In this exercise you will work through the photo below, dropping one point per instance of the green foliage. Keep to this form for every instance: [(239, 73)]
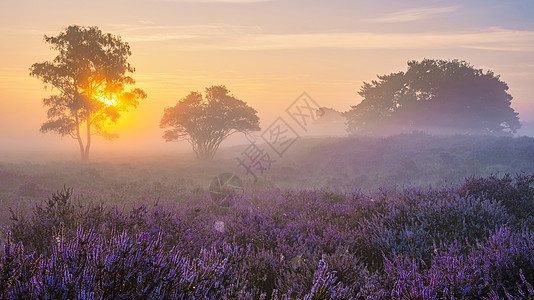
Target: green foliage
[(448, 95)]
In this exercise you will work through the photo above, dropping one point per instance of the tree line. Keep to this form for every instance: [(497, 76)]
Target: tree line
[(91, 76)]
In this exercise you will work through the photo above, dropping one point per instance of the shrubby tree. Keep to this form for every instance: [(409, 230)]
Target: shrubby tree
[(90, 75), (206, 121), (438, 94)]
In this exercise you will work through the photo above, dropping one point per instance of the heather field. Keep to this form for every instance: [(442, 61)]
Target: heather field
[(404, 217)]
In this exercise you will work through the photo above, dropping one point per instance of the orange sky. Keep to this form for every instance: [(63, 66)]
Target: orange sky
[(266, 52)]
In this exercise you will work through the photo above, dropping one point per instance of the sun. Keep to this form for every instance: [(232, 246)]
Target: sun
[(109, 99)]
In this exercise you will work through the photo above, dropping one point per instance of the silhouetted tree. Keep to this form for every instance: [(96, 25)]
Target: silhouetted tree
[(206, 122), (89, 73), (448, 94)]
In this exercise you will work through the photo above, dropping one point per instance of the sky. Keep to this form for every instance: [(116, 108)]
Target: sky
[(266, 52)]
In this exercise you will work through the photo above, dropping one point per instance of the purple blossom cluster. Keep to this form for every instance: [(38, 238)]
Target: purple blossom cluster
[(470, 241)]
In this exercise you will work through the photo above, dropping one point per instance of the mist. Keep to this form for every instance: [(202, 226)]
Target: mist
[(266, 150)]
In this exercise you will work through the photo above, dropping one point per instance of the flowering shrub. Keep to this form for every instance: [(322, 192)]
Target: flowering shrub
[(516, 194), (122, 267), (413, 222), (59, 215), (309, 244), (503, 267)]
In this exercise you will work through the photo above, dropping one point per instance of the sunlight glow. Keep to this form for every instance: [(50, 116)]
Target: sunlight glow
[(109, 100)]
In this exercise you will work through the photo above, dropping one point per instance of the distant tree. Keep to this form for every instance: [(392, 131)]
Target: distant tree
[(329, 122), (89, 73), (206, 122), (447, 94)]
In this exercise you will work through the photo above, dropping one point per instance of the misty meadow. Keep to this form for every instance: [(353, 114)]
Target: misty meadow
[(399, 220), (246, 149)]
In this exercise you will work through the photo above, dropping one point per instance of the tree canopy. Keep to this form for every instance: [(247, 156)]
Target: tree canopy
[(90, 75), (435, 94), (206, 121)]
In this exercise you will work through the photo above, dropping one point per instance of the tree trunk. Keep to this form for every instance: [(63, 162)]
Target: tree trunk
[(82, 151), (206, 151), (88, 141), (205, 155), (79, 138)]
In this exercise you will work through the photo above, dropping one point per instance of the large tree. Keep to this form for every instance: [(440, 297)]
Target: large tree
[(206, 121), (432, 94), (90, 74)]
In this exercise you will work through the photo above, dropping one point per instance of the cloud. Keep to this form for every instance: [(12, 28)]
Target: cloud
[(195, 34), (215, 1), (489, 39), (233, 1), (152, 33), (234, 37), (412, 14), (161, 37)]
